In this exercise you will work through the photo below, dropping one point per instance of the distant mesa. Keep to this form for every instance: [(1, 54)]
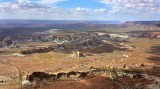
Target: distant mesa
[(144, 22)]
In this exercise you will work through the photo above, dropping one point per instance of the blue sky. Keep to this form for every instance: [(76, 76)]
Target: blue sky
[(119, 10), (81, 3)]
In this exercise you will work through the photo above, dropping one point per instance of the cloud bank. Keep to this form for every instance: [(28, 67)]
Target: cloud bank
[(136, 5), (48, 9)]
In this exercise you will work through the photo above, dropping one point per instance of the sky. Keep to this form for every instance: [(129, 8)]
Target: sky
[(108, 10)]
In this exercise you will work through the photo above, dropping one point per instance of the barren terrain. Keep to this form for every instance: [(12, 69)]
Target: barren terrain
[(80, 55), (144, 57)]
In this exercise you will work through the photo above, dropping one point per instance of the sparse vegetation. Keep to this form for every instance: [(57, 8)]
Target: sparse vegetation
[(120, 49)]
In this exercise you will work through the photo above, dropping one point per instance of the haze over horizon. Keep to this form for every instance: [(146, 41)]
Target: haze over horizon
[(108, 10)]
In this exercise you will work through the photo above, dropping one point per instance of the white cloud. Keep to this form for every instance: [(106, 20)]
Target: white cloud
[(49, 1), (47, 9), (133, 9), (79, 9), (101, 10), (29, 9), (22, 1), (132, 4)]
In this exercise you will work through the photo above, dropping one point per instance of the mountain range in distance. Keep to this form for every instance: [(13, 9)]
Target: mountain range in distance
[(60, 23), (14, 27), (50, 23)]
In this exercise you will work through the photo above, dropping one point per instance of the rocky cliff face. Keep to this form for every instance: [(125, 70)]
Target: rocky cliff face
[(56, 38), (148, 25), (121, 79), (20, 39), (85, 42), (151, 35)]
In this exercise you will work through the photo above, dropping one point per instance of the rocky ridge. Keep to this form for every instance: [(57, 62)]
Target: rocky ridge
[(139, 79)]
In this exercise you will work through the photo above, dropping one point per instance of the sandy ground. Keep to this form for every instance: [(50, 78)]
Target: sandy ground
[(147, 52)]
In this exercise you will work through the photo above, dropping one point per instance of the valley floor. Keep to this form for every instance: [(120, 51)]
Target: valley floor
[(144, 57)]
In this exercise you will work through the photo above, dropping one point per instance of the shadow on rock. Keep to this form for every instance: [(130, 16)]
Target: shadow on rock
[(155, 50)]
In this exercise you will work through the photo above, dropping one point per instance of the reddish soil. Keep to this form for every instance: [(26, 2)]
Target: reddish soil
[(146, 53), (96, 82)]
